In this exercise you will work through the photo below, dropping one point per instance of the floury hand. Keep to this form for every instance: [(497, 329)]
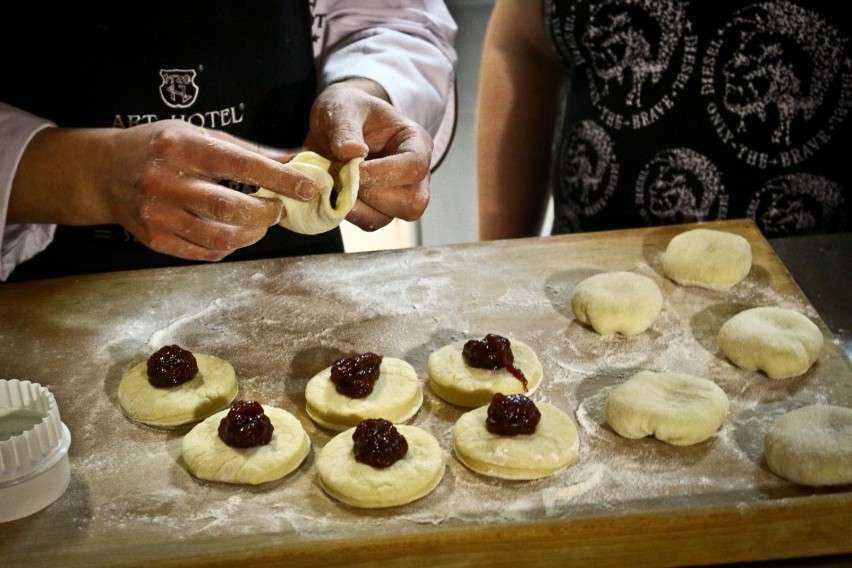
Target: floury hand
[(160, 181)]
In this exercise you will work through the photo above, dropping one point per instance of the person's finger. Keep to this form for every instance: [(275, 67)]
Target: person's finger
[(344, 125), (215, 236), (400, 138), (220, 159), (367, 218), (179, 233), (214, 202), (401, 169), (396, 186), (173, 245), (405, 202), (281, 155)]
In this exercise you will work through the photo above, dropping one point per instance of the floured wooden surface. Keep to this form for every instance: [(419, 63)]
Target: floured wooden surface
[(278, 322)]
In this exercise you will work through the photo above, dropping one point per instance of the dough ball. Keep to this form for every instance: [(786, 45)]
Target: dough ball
[(617, 302), (396, 397), (338, 191), (780, 342), (213, 388), (452, 379), (207, 457), (551, 448), (812, 445), (675, 408), (362, 485), (710, 259)]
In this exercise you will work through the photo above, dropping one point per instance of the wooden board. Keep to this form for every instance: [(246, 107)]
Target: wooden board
[(638, 502)]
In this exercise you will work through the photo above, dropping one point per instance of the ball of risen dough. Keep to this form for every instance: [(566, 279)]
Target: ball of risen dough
[(812, 445), (551, 448), (707, 258), (617, 302), (452, 379), (675, 408), (361, 485), (780, 342), (207, 457), (396, 397), (213, 388), (338, 191)]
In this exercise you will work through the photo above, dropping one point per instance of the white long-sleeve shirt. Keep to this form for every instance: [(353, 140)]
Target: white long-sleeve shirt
[(406, 46)]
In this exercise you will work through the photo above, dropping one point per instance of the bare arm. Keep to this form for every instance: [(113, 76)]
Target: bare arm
[(520, 80)]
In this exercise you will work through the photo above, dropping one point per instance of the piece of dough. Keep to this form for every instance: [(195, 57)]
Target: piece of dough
[(675, 408), (707, 258), (336, 181), (780, 342), (617, 302), (362, 485), (551, 448), (452, 379), (213, 388), (207, 457), (396, 397), (811, 445)]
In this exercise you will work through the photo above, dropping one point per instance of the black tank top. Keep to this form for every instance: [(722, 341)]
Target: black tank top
[(243, 67)]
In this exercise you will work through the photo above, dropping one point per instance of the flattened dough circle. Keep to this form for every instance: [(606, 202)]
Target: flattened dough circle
[(811, 445), (207, 457), (553, 446), (452, 379), (778, 341), (707, 258), (320, 215), (617, 302), (361, 485), (396, 397), (675, 408), (213, 388)]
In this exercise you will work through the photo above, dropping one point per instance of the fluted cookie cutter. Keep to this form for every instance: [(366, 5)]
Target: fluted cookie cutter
[(34, 466)]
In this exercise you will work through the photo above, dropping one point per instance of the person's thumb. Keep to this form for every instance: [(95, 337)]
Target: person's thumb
[(347, 142)]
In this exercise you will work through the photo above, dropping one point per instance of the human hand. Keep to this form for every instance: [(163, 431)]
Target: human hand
[(353, 119), (160, 181)]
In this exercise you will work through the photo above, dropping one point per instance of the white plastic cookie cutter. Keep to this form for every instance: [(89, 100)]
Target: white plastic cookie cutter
[(34, 466)]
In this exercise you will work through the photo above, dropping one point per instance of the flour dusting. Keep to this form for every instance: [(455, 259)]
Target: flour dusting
[(280, 322)]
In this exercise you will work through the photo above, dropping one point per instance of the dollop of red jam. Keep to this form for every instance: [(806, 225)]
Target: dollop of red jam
[(355, 376), (513, 414), (378, 443), (493, 352), (246, 425), (171, 366)]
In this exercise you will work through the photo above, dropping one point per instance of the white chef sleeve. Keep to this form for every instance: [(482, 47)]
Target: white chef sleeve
[(17, 242)]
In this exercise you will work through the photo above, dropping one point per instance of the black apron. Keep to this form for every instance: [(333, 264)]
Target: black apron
[(243, 67)]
